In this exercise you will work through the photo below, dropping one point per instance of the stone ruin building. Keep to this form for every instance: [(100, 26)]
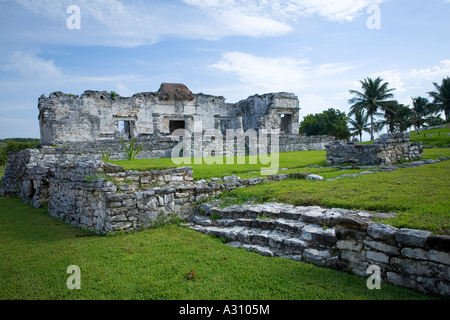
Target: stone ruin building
[(97, 119), (101, 116)]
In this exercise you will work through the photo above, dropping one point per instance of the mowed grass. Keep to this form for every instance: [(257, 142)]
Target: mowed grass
[(298, 161), (203, 169), (419, 196), (36, 251), (433, 137)]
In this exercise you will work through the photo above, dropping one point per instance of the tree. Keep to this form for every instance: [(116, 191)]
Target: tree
[(375, 95), (330, 122), (15, 145), (442, 97), (397, 118), (421, 112), (359, 124)]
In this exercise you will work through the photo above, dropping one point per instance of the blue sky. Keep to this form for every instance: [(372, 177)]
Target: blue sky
[(234, 48)]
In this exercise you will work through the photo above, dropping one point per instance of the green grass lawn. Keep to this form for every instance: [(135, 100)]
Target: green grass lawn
[(294, 161), (206, 171), (433, 137), (36, 251), (420, 195)]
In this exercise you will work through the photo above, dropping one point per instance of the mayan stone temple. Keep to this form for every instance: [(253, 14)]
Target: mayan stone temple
[(97, 119)]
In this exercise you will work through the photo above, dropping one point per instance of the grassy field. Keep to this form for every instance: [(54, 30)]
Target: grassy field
[(298, 161), (36, 251), (433, 137), (420, 195), (205, 171)]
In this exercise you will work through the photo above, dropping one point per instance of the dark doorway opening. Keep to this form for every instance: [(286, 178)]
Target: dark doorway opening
[(125, 129), (286, 122), (176, 124)]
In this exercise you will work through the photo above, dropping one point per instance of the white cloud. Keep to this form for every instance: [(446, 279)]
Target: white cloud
[(280, 73), (405, 81), (32, 67), (437, 71), (135, 23), (288, 10)]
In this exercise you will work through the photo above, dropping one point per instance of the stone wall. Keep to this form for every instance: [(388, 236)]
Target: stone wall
[(415, 259), (386, 150), (304, 143), (98, 116), (347, 240), (105, 198)]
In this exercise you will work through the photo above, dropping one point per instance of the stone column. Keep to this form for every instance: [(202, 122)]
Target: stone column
[(217, 122), (240, 123), (156, 123)]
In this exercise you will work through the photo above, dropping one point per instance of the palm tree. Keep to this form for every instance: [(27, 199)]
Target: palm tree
[(359, 124), (374, 95), (421, 111), (397, 118), (442, 97)]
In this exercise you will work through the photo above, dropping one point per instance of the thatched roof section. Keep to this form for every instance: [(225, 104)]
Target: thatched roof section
[(175, 91)]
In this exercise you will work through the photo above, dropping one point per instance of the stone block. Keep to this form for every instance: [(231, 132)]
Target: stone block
[(348, 234), (352, 222), (377, 256), (317, 257), (381, 246), (438, 242), (382, 232), (349, 245), (410, 237), (294, 245), (356, 258), (432, 255), (420, 268), (401, 280), (119, 217)]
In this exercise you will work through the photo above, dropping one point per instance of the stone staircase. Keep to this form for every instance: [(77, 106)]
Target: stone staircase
[(278, 230)]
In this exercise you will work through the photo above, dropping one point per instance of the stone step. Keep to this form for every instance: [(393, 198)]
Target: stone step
[(310, 214), (310, 255), (325, 237), (277, 238)]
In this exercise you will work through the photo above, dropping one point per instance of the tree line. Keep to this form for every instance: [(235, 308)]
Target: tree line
[(376, 101), (15, 144)]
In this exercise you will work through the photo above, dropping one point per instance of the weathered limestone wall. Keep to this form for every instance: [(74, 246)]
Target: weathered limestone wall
[(265, 112), (415, 259), (304, 143), (386, 150), (104, 198), (348, 240), (96, 116)]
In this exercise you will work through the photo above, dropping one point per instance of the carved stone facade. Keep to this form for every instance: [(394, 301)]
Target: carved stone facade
[(99, 116)]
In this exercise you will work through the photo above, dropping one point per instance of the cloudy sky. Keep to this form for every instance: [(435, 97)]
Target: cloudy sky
[(317, 49)]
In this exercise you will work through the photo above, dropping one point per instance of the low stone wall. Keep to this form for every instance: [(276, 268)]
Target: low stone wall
[(386, 150), (347, 240), (409, 258), (104, 198), (304, 143)]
